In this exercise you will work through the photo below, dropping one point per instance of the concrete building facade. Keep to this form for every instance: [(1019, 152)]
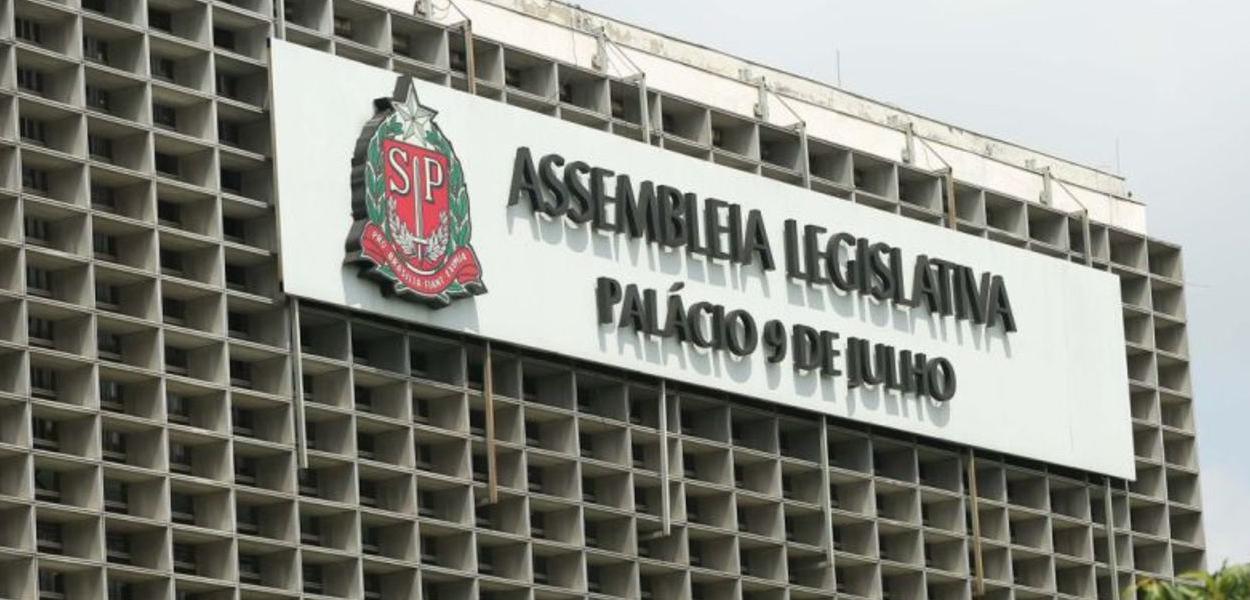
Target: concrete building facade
[(174, 426)]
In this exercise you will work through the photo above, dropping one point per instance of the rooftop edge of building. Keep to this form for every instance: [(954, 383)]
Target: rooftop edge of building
[(726, 82)]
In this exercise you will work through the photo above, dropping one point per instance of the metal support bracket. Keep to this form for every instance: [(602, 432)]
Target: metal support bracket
[(279, 23), (1109, 516), (761, 94), (488, 396), (805, 159), (1048, 193), (909, 149), (825, 500), (952, 208), (600, 60), (644, 107), (1086, 236), (297, 375), (973, 495), (666, 518), (1087, 239), (470, 64), (799, 126)]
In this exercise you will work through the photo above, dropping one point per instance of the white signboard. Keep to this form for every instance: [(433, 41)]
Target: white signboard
[(491, 220)]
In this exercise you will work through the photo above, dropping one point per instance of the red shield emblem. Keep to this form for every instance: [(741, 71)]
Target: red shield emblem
[(416, 181), (411, 205)]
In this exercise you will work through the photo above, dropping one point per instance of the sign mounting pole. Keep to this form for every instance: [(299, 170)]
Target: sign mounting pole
[(665, 517), (973, 496), (488, 396)]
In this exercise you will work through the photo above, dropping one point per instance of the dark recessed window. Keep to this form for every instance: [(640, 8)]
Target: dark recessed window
[(245, 471), (51, 585), (308, 482), (166, 164), (100, 148), (234, 229), (97, 98), (227, 85), (111, 396), (104, 245), (246, 519), (174, 311), (43, 383), (32, 130), (38, 281), (429, 550), (116, 496), (164, 115), (180, 457), (310, 530), (243, 421), (120, 590), (163, 68), (113, 446), (176, 360), (182, 508), (28, 30), (368, 492), (239, 324), (365, 446), (184, 559), (481, 467), (313, 583), (47, 485), (49, 537), (103, 198), (160, 19), (232, 181), (38, 231), (373, 585), (117, 548), (236, 277), (402, 45), (107, 297), (46, 434), (224, 38), (41, 332), (168, 213), (342, 27), (363, 397), (249, 569), (241, 373), (228, 133), (109, 345), (30, 80), (171, 262), (34, 180), (95, 49), (177, 406)]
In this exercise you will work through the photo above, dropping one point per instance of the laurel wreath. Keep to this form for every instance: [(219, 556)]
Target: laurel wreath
[(454, 228)]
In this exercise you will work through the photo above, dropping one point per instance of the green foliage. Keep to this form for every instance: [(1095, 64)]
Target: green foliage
[(458, 193), (375, 180), (1228, 583)]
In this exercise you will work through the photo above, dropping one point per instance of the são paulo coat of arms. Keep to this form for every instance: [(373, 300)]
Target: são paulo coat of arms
[(411, 205)]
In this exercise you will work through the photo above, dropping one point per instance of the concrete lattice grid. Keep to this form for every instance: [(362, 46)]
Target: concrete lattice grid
[(148, 445)]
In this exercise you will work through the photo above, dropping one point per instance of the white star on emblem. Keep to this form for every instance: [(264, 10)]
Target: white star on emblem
[(417, 118)]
